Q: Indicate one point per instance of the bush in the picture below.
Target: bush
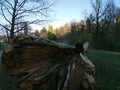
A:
(3, 45)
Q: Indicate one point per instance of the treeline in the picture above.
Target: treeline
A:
(69, 33)
(101, 28)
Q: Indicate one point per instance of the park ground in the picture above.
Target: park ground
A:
(107, 72)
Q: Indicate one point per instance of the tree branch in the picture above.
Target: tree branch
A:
(7, 9)
(21, 5)
(4, 15)
(28, 23)
(4, 27)
(9, 3)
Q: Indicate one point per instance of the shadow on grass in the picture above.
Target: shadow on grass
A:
(107, 71)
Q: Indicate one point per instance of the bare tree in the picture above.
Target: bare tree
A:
(13, 12)
(99, 10)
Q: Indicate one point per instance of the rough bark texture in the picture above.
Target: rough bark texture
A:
(41, 64)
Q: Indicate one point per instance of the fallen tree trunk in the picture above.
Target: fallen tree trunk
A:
(41, 64)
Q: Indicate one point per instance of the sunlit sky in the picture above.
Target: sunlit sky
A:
(68, 10)
(71, 10)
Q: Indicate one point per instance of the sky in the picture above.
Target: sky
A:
(67, 11)
(71, 10)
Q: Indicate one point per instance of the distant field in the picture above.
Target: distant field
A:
(107, 73)
(107, 70)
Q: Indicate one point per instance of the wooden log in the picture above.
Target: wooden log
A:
(41, 64)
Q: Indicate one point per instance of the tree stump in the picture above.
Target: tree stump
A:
(41, 64)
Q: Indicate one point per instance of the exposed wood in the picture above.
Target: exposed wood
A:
(41, 64)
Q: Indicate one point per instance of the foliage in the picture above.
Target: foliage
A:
(3, 45)
(105, 25)
(37, 33)
(43, 32)
(75, 32)
(101, 28)
(51, 33)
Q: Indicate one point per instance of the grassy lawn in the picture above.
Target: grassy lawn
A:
(107, 73)
(107, 70)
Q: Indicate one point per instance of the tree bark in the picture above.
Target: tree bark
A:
(41, 64)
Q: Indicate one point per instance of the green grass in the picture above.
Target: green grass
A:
(107, 70)
(108, 57)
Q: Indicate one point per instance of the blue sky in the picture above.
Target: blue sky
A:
(67, 11)
(72, 10)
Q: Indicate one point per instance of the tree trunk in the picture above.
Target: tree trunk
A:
(41, 64)
(11, 33)
(13, 20)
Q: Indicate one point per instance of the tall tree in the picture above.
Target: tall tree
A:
(12, 12)
(51, 33)
(90, 23)
(37, 33)
(99, 10)
(43, 32)
(73, 27)
(81, 26)
(117, 31)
